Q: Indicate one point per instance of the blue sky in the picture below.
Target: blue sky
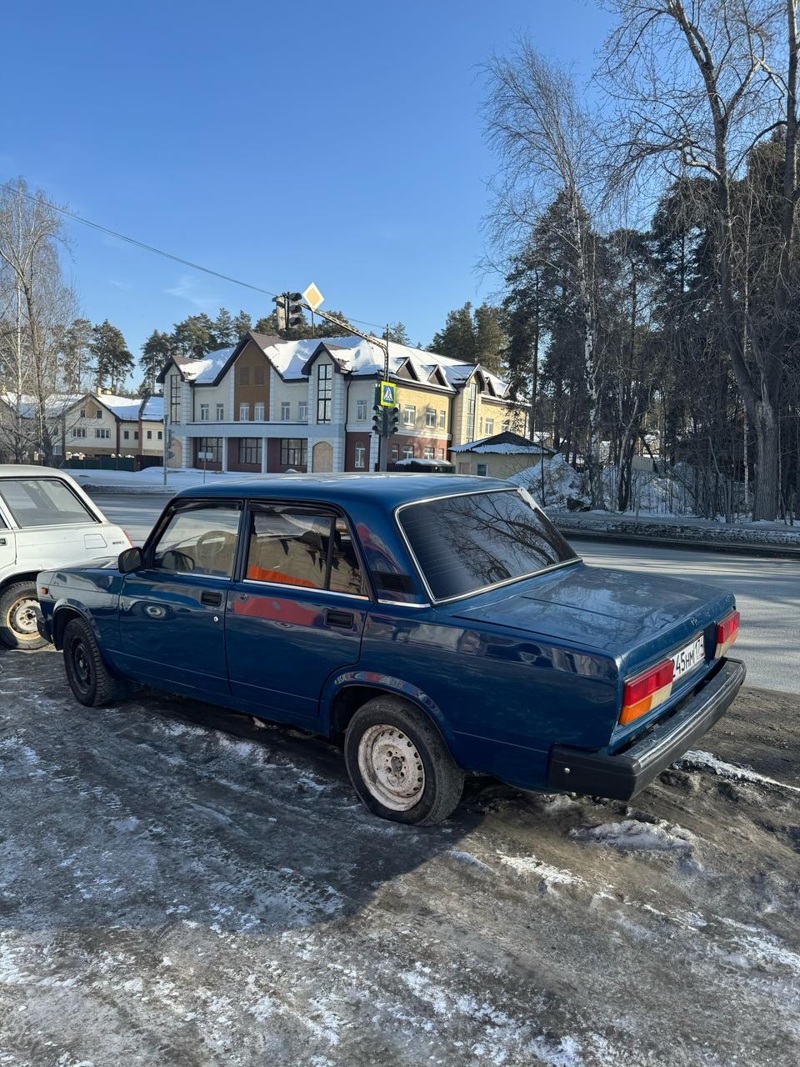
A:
(281, 144)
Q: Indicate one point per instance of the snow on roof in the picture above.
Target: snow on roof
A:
(204, 371)
(153, 409)
(505, 443)
(125, 408)
(54, 405)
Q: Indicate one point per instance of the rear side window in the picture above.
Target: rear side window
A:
(291, 546)
(43, 502)
(466, 543)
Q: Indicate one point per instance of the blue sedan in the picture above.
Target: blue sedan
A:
(438, 624)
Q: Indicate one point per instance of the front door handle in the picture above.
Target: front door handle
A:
(212, 599)
(3, 541)
(342, 619)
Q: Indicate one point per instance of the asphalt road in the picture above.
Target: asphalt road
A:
(767, 590)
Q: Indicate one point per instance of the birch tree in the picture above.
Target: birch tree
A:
(700, 83)
(545, 141)
(37, 309)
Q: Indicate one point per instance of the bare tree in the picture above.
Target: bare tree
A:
(545, 142)
(36, 308)
(700, 83)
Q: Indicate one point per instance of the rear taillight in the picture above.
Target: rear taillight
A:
(646, 691)
(727, 632)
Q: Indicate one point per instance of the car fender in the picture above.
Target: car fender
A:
(382, 683)
(66, 608)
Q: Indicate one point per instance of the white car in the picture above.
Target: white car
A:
(46, 521)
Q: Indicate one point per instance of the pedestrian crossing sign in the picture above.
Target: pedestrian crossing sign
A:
(388, 390)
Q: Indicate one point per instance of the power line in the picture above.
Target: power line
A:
(153, 249)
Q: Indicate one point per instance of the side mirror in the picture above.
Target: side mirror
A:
(130, 560)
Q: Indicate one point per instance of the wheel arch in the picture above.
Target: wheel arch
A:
(62, 615)
(351, 691)
(16, 579)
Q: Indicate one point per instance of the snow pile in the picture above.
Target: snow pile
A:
(692, 761)
(631, 835)
(562, 483)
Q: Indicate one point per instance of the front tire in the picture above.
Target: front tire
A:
(399, 765)
(90, 680)
(19, 611)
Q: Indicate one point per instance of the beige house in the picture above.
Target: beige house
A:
(498, 456)
(269, 405)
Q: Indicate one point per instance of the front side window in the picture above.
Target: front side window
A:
(42, 502)
(258, 413)
(489, 427)
(199, 540)
(430, 417)
(408, 451)
(244, 413)
(102, 434)
(361, 410)
(80, 431)
(361, 454)
(204, 412)
(302, 411)
(409, 415)
(286, 410)
(302, 547)
(466, 543)
(442, 418)
(220, 412)
(324, 392)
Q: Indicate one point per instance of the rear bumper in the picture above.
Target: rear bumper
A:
(623, 775)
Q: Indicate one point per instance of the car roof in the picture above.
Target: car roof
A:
(28, 470)
(389, 489)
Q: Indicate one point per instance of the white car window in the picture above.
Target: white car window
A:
(43, 502)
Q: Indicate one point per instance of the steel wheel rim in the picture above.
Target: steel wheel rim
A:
(391, 767)
(22, 617)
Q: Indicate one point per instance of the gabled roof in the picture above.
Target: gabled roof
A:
(152, 409)
(507, 442)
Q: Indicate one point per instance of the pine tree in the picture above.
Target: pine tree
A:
(458, 338)
(155, 353)
(224, 329)
(490, 340)
(195, 336)
(113, 361)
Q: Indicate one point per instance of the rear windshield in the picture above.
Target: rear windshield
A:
(42, 502)
(466, 543)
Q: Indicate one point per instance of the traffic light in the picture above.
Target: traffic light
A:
(294, 310)
(280, 310)
(393, 417)
(378, 420)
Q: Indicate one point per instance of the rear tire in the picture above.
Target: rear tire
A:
(90, 680)
(19, 610)
(399, 765)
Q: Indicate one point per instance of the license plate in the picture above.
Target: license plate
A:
(689, 657)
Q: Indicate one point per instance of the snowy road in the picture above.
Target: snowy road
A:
(173, 894)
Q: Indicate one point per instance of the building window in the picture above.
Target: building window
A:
(361, 457)
(480, 469)
(441, 453)
(98, 414)
(395, 453)
(258, 413)
(125, 433)
(409, 415)
(204, 412)
(324, 392)
(361, 410)
(160, 435)
(293, 452)
(83, 413)
(286, 410)
(430, 417)
(489, 427)
(244, 413)
(243, 375)
(174, 399)
(302, 411)
(220, 412)
(259, 375)
(442, 419)
(427, 453)
(79, 432)
(408, 451)
(212, 447)
(103, 435)
(136, 435)
(250, 450)
(149, 435)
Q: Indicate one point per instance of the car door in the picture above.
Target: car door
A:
(172, 611)
(298, 613)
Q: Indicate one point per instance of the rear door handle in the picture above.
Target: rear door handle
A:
(212, 599)
(3, 541)
(341, 619)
